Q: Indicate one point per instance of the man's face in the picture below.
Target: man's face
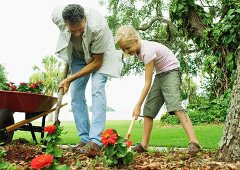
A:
(129, 47)
(77, 29)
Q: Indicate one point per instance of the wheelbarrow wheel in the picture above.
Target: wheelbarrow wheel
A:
(6, 120)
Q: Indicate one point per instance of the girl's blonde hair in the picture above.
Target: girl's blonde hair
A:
(126, 33)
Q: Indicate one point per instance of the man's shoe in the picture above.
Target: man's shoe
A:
(194, 148)
(78, 147)
(91, 149)
(139, 148)
(94, 146)
(95, 150)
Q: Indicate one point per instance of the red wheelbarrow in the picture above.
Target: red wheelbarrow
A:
(33, 105)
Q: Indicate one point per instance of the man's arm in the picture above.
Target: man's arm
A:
(94, 65)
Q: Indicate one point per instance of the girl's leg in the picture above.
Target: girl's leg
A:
(147, 128)
(187, 125)
(153, 103)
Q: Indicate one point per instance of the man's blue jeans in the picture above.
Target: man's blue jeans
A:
(88, 131)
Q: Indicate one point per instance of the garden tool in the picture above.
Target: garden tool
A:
(129, 131)
(60, 95)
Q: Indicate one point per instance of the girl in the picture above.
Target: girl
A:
(165, 88)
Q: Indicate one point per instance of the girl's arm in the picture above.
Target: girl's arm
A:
(147, 85)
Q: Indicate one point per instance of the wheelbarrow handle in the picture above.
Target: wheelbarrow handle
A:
(60, 95)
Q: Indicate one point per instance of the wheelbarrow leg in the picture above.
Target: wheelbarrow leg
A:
(43, 126)
(32, 132)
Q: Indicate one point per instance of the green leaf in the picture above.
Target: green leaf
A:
(110, 151)
(128, 158)
(121, 151)
(120, 154)
(63, 167)
(120, 140)
(238, 10)
(231, 11)
(115, 161)
(4, 165)
(49, 148)
(57, 152)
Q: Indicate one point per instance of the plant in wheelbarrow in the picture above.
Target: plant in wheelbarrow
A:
(116, 150)
(49, 160)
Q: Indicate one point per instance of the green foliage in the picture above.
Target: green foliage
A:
(132, 66)
(117, 153)
(51, 73)
(4, 165)
(169, 119)
(204, 110)
(215, 34)
(188, 88)
(52, 140)
(37, 87)
(3, 77)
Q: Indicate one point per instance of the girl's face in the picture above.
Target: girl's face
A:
(131, 47)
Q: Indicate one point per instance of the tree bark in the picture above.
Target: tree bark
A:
(229, 146)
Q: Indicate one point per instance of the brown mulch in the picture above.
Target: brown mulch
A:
(21, 153)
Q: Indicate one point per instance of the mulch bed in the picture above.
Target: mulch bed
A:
(21, 153)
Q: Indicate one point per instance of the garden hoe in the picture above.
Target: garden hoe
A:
(129, 131)
(60, 96)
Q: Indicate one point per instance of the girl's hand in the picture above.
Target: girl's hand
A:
(65, 85)
(136, 112)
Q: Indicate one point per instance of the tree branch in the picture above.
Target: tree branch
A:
(205, 5)
(154, 19)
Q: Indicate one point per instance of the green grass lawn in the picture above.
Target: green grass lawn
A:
(166, 136)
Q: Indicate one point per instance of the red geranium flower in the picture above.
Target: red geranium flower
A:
(109, 136)
(50, 129)
(129, 143)
(13, 88)
(42, 161)
(33, 85)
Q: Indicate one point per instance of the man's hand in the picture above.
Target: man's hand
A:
(65, 85)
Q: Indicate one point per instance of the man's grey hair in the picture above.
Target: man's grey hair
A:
(73, 14)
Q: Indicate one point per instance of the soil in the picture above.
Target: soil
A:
(21, 152)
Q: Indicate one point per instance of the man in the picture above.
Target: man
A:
(86, 44)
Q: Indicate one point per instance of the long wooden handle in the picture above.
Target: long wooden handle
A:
(26, 121)
(60, 95)
(130, 128)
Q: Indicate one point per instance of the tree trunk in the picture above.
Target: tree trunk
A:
(229, 146)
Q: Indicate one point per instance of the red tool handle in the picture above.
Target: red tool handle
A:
(130, 128)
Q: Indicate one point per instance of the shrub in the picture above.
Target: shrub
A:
(202, 110)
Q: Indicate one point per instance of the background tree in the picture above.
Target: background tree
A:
(214, 29)
(218, 35)
(50, 73)
(230, 142)
(3, 77)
